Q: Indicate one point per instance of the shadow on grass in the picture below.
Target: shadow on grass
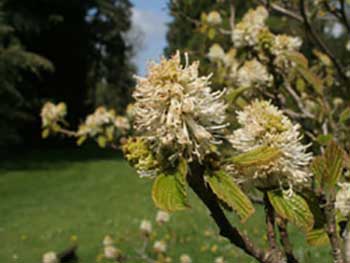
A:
(44, 157)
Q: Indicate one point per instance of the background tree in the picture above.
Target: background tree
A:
(85, 42)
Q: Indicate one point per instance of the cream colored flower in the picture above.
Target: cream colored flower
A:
(160, 246)
(162, 217)
(111, 252)
(50, 257)
(146, 227)
(216, 53)
(247, 30)
(219, 260)
(253, 74)
(102, 118)
(284, 43)
(263, 125)
(342, 202)
(176, 109)
(122, 123)
(214, 18)
(108, 241)
(51, 113)
(184, 258)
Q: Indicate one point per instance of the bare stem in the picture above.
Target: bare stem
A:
(270, 223)
(206, 195)
(281, 10)
(329, 212)
(318, 41)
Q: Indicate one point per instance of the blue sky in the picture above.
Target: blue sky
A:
(150, 16)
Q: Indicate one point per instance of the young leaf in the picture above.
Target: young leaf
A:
(81, 140)
(101, 141)
(260, 155)
(328, 168)
(169, 194)
(229, 192)
(294, 209)
(344, 115)
(317, 237)
(45, 133)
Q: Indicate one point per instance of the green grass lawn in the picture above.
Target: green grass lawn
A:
(48, 197)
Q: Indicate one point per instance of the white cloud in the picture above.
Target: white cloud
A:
(153, 26)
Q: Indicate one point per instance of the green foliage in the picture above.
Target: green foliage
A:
(169, 193)
(317, 237)
(294, 208)
(229, 192)
(258, 156)
(328, 167)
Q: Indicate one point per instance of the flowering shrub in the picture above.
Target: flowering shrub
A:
(270, 136)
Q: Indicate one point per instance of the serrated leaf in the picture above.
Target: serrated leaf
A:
(258, 156)
(45, 133)
(229, 192)
(328, 167)
(317, 237)
(294, 209)
(344, 115)
(169, 194)
(101, 141)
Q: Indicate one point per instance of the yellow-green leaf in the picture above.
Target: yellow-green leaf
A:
(81, 140)
(324, 139)
(317, 237)
(101, 141)
(298, 58)
(45, 133)
(344, 115)
(169, 194)
(328, 167)
(258, 156)
(294, 209)
(229, 192)
(211, 33)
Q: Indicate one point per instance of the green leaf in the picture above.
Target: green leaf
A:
(324, 139)
(313, 79)
(168, 193)
(298, 58)
(183, 170)
(211, 33)
(258, 156)
(229, 192)
(235, 93)
(294, 209)
(317, 237)
(45, 133)
(81, 140)
(344, 115)
(328, 167)
(101, 141)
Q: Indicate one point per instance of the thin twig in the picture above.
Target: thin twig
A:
(318, 41)
(343, 14)
(329, 212)
(196, 182)
(281, 10)
(270, 223)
